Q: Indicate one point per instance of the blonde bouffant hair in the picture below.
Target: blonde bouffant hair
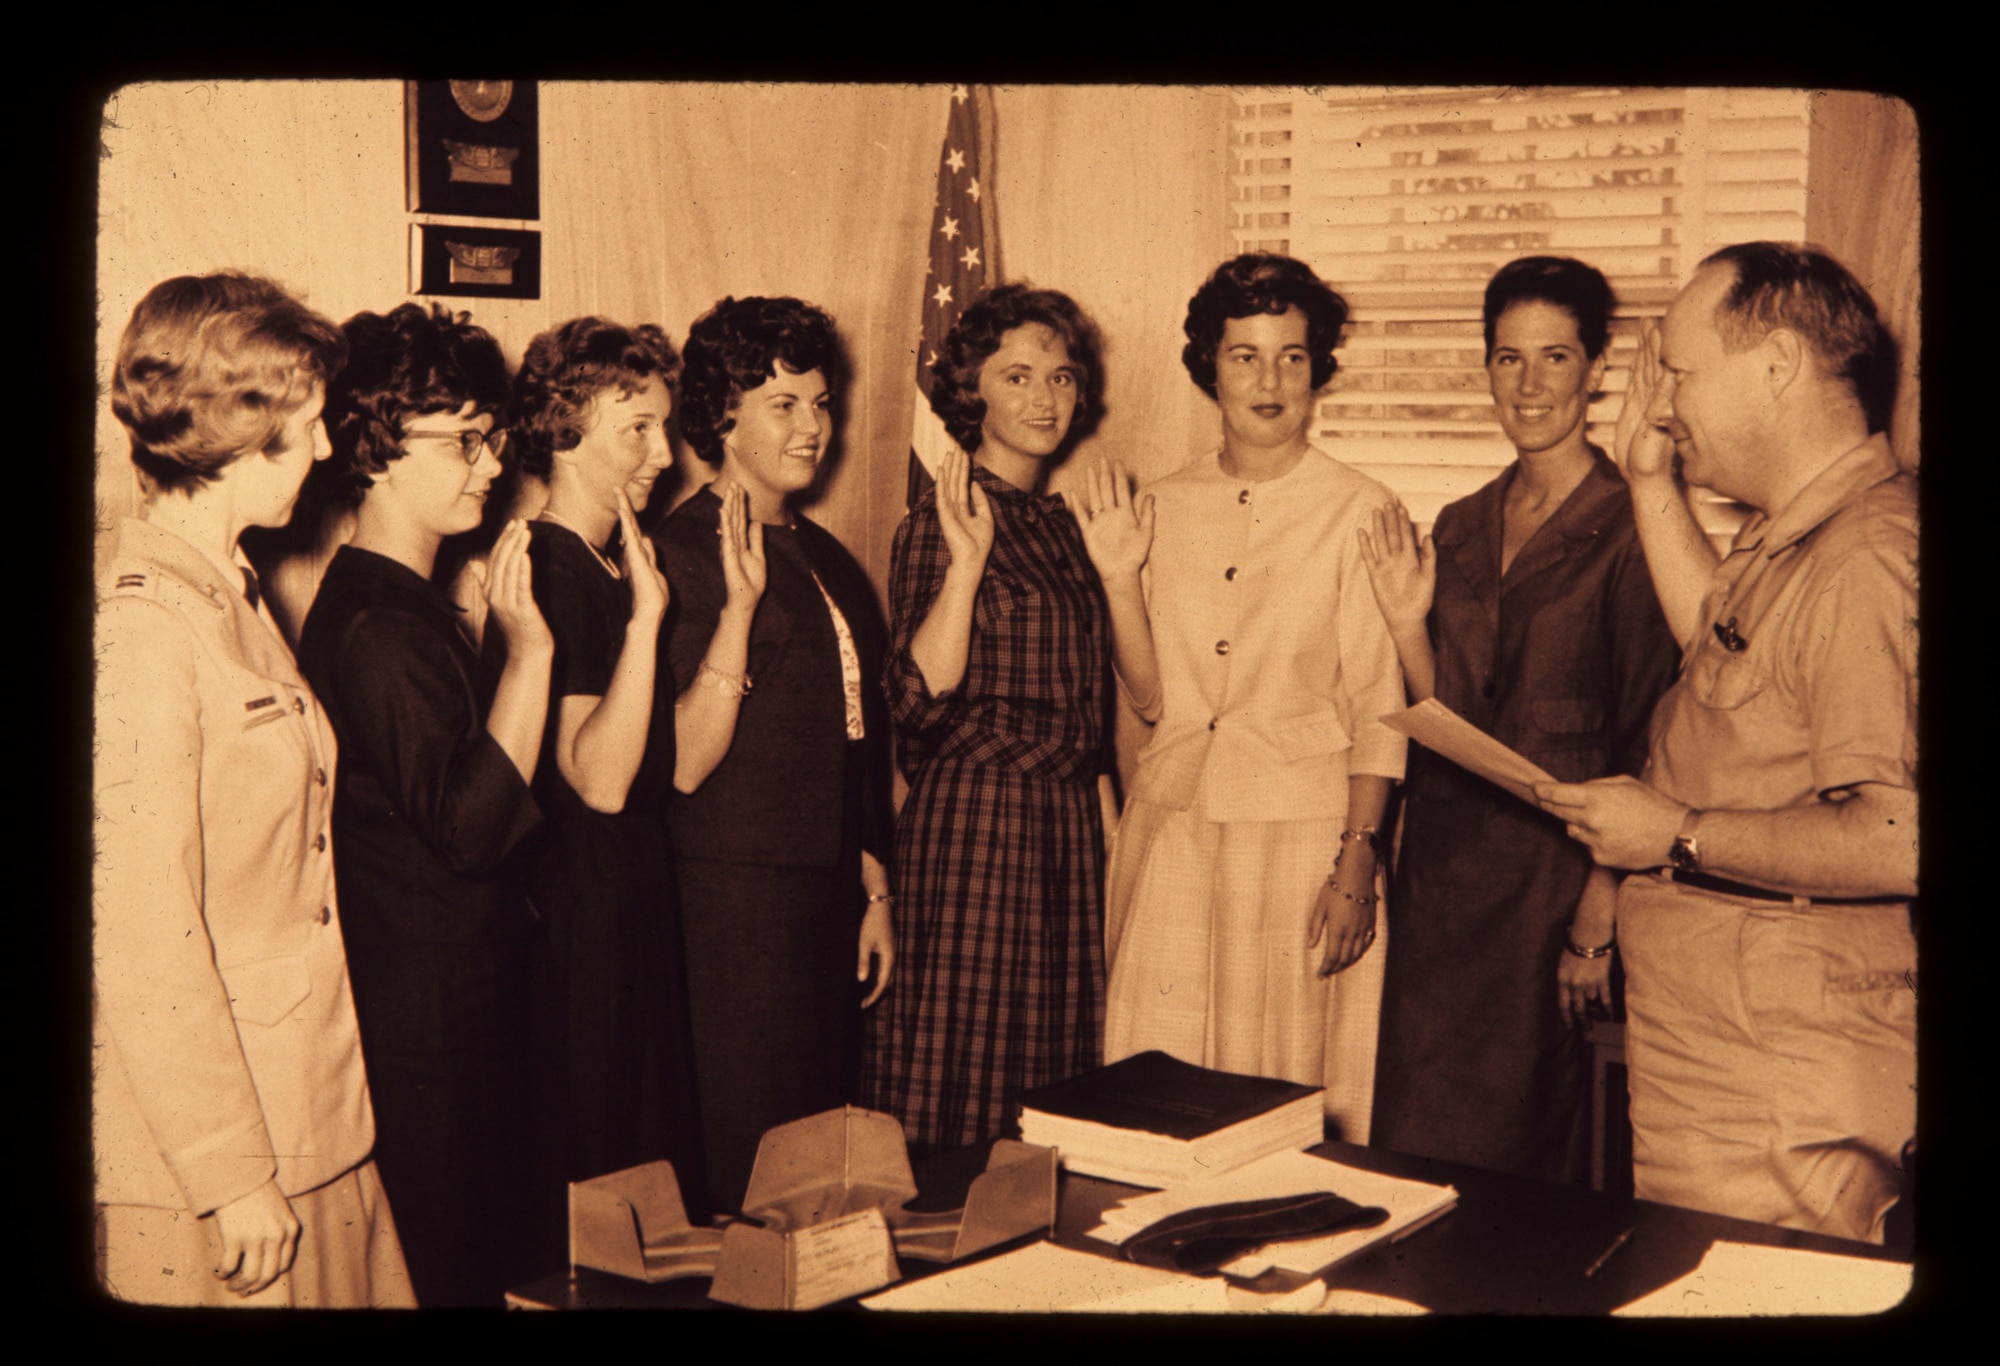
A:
(210, 369)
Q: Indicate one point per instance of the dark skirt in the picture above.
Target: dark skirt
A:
(615, 1081)
(772, 994)
(1476, 1062)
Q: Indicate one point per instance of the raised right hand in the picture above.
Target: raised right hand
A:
(260, 1236)
(642, 569)
(744, 571)
(1117, 522)
(1642, 446)
(510, 594)
(963, 514)
(1401, 568)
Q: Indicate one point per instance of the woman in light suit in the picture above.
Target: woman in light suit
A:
(227, 1074)
(1243, 875)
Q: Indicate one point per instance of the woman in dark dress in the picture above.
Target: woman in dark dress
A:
(437, 753)
(781, 834)
(1535, 619)
(999, 680)
(615, 1068)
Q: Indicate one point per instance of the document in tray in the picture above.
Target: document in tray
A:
(1411, 1204)
(1736, 1279)
(1440, 729)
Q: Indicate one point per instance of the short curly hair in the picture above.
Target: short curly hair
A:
(565, 370)
(977, 335)
(401, 365)
(211, 367)
(736, 347)
(1562, 282)
(1254, 283)
(1802, 288)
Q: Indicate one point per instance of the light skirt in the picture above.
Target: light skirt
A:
(348, 1255)
(1206, 926)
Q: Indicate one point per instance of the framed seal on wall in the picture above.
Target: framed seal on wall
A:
(474, 148)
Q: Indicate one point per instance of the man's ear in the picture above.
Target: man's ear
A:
(1784, 357)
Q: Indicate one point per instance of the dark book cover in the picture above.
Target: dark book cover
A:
(1160, 1094)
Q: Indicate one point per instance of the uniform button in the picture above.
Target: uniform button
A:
(319, 841)
(1212, 722)
(325, 914)
(1222, 647)
(1229, 573)
(321, 775)
(1243, 497)
(299, 705)
(1487, 691)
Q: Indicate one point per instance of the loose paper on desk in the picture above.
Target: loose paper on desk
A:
(1440, 729)
(1738, 1279)
(1044, 1278)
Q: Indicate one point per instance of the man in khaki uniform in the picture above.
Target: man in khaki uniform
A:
(1769, 956)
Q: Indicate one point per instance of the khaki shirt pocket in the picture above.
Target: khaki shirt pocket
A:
(1724, 681)
(264, 991)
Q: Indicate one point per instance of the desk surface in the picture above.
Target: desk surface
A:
(1512, 1246)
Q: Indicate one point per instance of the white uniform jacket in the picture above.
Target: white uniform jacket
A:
(224, 1045)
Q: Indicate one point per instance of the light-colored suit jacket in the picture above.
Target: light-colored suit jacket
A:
(1275, 663)
(224, 1045)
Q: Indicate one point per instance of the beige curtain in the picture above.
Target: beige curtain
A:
(1863, 205)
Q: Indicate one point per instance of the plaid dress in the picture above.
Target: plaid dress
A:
(999, 865)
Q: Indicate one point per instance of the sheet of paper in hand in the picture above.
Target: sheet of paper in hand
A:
(1440, 729)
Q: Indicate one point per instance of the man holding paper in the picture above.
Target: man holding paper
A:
(1770, 960)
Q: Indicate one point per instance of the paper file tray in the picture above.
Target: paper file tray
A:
(632, 1223)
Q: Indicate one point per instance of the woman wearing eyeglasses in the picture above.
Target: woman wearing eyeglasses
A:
(438, 751)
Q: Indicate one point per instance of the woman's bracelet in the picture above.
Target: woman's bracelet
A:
(881, 898)
(1366, 834)
(1603, 950)
(1331, 881)
(729, 685)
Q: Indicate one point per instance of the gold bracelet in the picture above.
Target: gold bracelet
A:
(1366, 834)
(1571, 946)
(729, 685)
(882, 897)
(1357, 900)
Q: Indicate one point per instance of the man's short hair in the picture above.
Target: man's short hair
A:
(1803, 289)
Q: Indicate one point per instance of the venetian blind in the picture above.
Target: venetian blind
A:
(1407, 200)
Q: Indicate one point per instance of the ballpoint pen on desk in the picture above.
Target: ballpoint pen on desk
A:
(1607, 1254)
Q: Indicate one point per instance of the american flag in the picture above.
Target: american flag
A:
(961, 261)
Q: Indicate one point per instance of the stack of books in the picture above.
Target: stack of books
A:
(1153, 1120)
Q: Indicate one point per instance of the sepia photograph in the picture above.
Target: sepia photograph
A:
(1021, 699)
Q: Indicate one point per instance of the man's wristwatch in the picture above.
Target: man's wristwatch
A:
(1686, 851)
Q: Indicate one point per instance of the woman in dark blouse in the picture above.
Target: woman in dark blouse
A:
(781, 834)
(437, 753)
(614, 1063)
(998, 679)
(1535, 619)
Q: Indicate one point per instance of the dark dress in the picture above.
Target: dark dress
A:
(1562, 659)
(999, 983)
(767, 851)
(614, 1062)
(428, 813)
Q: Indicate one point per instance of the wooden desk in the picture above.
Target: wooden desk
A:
(1512, 1246)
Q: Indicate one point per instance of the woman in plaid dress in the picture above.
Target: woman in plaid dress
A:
(998, 680)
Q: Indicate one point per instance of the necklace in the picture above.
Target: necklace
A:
(609, 568)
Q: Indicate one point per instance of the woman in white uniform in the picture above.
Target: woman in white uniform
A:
(231, 1116)
(1242, 901)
